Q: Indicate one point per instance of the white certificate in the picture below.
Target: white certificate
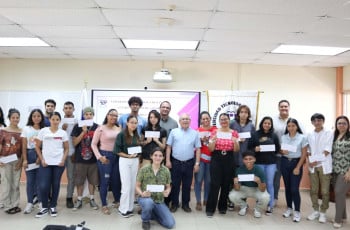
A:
(8, 159)
(290, 148)
(204, 134)
(318, 157)
(155, 134)
(245, 177)
(224, 135)
(244, 135)
(155, 188)
(135, 149)
(82, 123)
(267, 148)
(32, 166)
(66, 120)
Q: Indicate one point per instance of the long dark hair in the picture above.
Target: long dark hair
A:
(292, 120)
(239, 110)
(30, 120)
(128, 137)
(261, 129)
(336, 131)
(2, 119)
(149, 124)
(106, 119)
(204, 113)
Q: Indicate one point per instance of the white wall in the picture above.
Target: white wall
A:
(308, 89)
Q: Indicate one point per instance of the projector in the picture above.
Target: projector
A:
(162, 76)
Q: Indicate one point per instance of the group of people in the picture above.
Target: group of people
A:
(151, 160)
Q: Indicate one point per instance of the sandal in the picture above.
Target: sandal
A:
(12, 210)
(105, 210)
(17, 209)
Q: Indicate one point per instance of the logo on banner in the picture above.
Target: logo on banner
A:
(229, 107)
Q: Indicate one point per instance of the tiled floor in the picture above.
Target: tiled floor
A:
(95, 220)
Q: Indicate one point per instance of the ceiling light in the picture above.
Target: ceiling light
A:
(8, 41)
(311, 50)
(160, 44)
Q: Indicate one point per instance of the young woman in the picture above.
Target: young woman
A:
(30, 160)
(10, 163)
(149, 142)
(341, 168)
(152, 203)
(108, 163)
(266, 160)
(294, 153)
(223, 143)
(128, 148)
(52, 150)
(203, 175)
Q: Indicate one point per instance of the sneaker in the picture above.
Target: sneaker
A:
(29, 208)
(53, 212)
(69, 203)
(337, 225)
(243, 211)
(146, 225)
(257, 213)
(209, 214)
(130, 213)
(231, 206)
(322, 219)
(269, 211)
(42, 212)
(93, 204)
(125, 215)
(296, 216)
(78, 205)
(314, 215)
(199, 206)
(287, 213)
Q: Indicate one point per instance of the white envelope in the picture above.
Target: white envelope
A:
(155, 188)
(88, 123)
(318, 157)
(290, 148)
(66, 120)
(244, 135)
(155, 134)
(135, 149)
(32, 166)
(245, 177)
(8, 159)
(224, 135)
(204, 134)
(267, 148)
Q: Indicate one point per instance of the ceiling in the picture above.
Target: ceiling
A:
(237, 31)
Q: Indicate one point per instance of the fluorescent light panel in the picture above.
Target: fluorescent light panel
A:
(311, 50)
(160, 44)
(8, 41)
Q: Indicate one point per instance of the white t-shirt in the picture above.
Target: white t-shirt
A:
(52, 145)
(30, 133)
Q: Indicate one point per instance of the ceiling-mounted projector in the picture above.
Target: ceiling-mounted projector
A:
(162, 76)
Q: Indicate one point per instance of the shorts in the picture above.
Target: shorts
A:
(86, 171)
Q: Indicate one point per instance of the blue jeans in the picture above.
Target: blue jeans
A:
(269, 170)
(277, 178)
(32, 177)
(50, 180)
(109, 176)
(202, 175)
(156, 211)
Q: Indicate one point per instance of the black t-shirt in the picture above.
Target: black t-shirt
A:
(83, 151)
(147, 149)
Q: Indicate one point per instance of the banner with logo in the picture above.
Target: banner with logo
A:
(227, 101)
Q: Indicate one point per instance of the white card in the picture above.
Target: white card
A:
(245, 177)
(88, 123)
(267, 148)
(244, 135)
(135, 149)
(155, 188)
(8, 159)
(204, 134)
(32, 166)
(224, 135)
(155, 134)
(69, 120)
(290, 148)
(318, 157)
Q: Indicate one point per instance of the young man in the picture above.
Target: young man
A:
(249, 181)
(320, 166)
(68, 123)
(50, 106)
(85, 160)
(166, 122)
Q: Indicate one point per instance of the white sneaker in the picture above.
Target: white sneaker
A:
(257, 213)
(243, 211)
(53, 212)
(296, 216)
(28, 209)
(288, 213)
(322, 219)
(314, 215)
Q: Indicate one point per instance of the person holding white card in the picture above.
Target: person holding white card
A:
(320, 146)
(265, 144)
(10, 163)
(249, 181)
(292, 166)
(30, 160)
(128, 147)
(152, 185)
(152, 136)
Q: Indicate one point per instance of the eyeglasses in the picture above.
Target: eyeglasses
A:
(341, 123)
(224, 119)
